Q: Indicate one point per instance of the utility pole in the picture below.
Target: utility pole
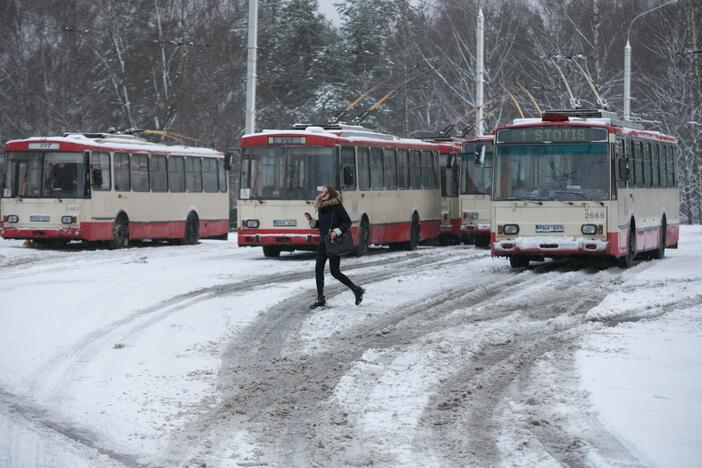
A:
(479, 73)
(251, 68)
(627, 59)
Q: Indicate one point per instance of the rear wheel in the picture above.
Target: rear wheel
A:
(659, 253)
(518, 261)
(413, 241)
(628, 260)
(363, 239)
(120, 233)
(271, 251)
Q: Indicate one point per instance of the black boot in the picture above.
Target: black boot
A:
(320, 302)
(358, 292)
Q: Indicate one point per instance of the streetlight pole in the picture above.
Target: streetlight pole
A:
(479, 71)
(250, 125)
(627, 59)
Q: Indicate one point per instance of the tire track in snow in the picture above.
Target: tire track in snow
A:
(460, 420)
(278, 394)
(40, 419)
(69, 363)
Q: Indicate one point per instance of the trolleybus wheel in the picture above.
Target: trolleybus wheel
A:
(518, 261)
(628, 260)
(120, 233)
(414, 233)
(363, 238)
(663, 238)
(192, 230)
(271, 251)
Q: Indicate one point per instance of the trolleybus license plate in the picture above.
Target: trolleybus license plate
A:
(284, 222)
(550, 228)
(38, 219)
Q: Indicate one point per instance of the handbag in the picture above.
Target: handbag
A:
(342, 245)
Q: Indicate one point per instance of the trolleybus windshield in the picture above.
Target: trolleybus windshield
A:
(575, 171)
(45, 175)
(477, 179)
(281, 173)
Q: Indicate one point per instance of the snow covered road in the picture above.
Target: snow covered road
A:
(163, 356)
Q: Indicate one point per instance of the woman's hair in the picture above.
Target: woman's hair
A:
(333, 194)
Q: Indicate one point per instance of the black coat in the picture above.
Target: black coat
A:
(332, 217)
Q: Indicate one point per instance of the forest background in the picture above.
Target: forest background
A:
(180, 65)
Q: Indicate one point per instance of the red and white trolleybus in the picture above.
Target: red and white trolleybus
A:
(390, 186)
(112, 187)
(475, 190)
(583, 182)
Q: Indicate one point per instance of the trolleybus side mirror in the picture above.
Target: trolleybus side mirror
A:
(228, 161)
(623, 169)
(480, 155)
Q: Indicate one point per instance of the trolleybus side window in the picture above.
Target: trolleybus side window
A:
(390, 164)
(363, 169)
(673, 171)
(428, 170)
(403, 176)
(415, 169)
(348, 168)
(669, 166)
(376, 168)
(100, 171)
(221, 176)
(139, 171)
(655, 165)
(209, 174)
(437, 174)
(176, 174)
(631, 162)
(638, 162)
(158, 175)
(122, 180)
(193, 174)
(647, 165)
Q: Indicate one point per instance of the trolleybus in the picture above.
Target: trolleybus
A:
(450, 175)
(390, 187)
(475, 190)
(112, 187)
(583, 183)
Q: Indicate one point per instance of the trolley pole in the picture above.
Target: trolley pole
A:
(251, 68)
(479, 71)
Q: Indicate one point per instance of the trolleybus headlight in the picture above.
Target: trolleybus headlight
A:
(511, 229)
(68, 219)
(12, 219)
(252, 223)
(588, 229)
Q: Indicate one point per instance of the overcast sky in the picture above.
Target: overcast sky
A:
(327, 7)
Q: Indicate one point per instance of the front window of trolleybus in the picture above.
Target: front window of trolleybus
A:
(477, 178)
(45, 175)
(566, 172)
(275, 173)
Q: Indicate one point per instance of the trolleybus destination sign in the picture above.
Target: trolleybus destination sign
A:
(552, 134)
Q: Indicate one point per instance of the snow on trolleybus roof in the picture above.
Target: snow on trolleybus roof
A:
(329, 135)
(588, 118)
(105, 142)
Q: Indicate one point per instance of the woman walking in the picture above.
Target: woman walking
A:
(333, 221)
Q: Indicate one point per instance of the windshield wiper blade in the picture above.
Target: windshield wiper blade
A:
(562, 201)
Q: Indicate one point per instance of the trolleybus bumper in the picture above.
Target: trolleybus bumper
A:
(51, 233)
(254, 238)
(550, 246)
